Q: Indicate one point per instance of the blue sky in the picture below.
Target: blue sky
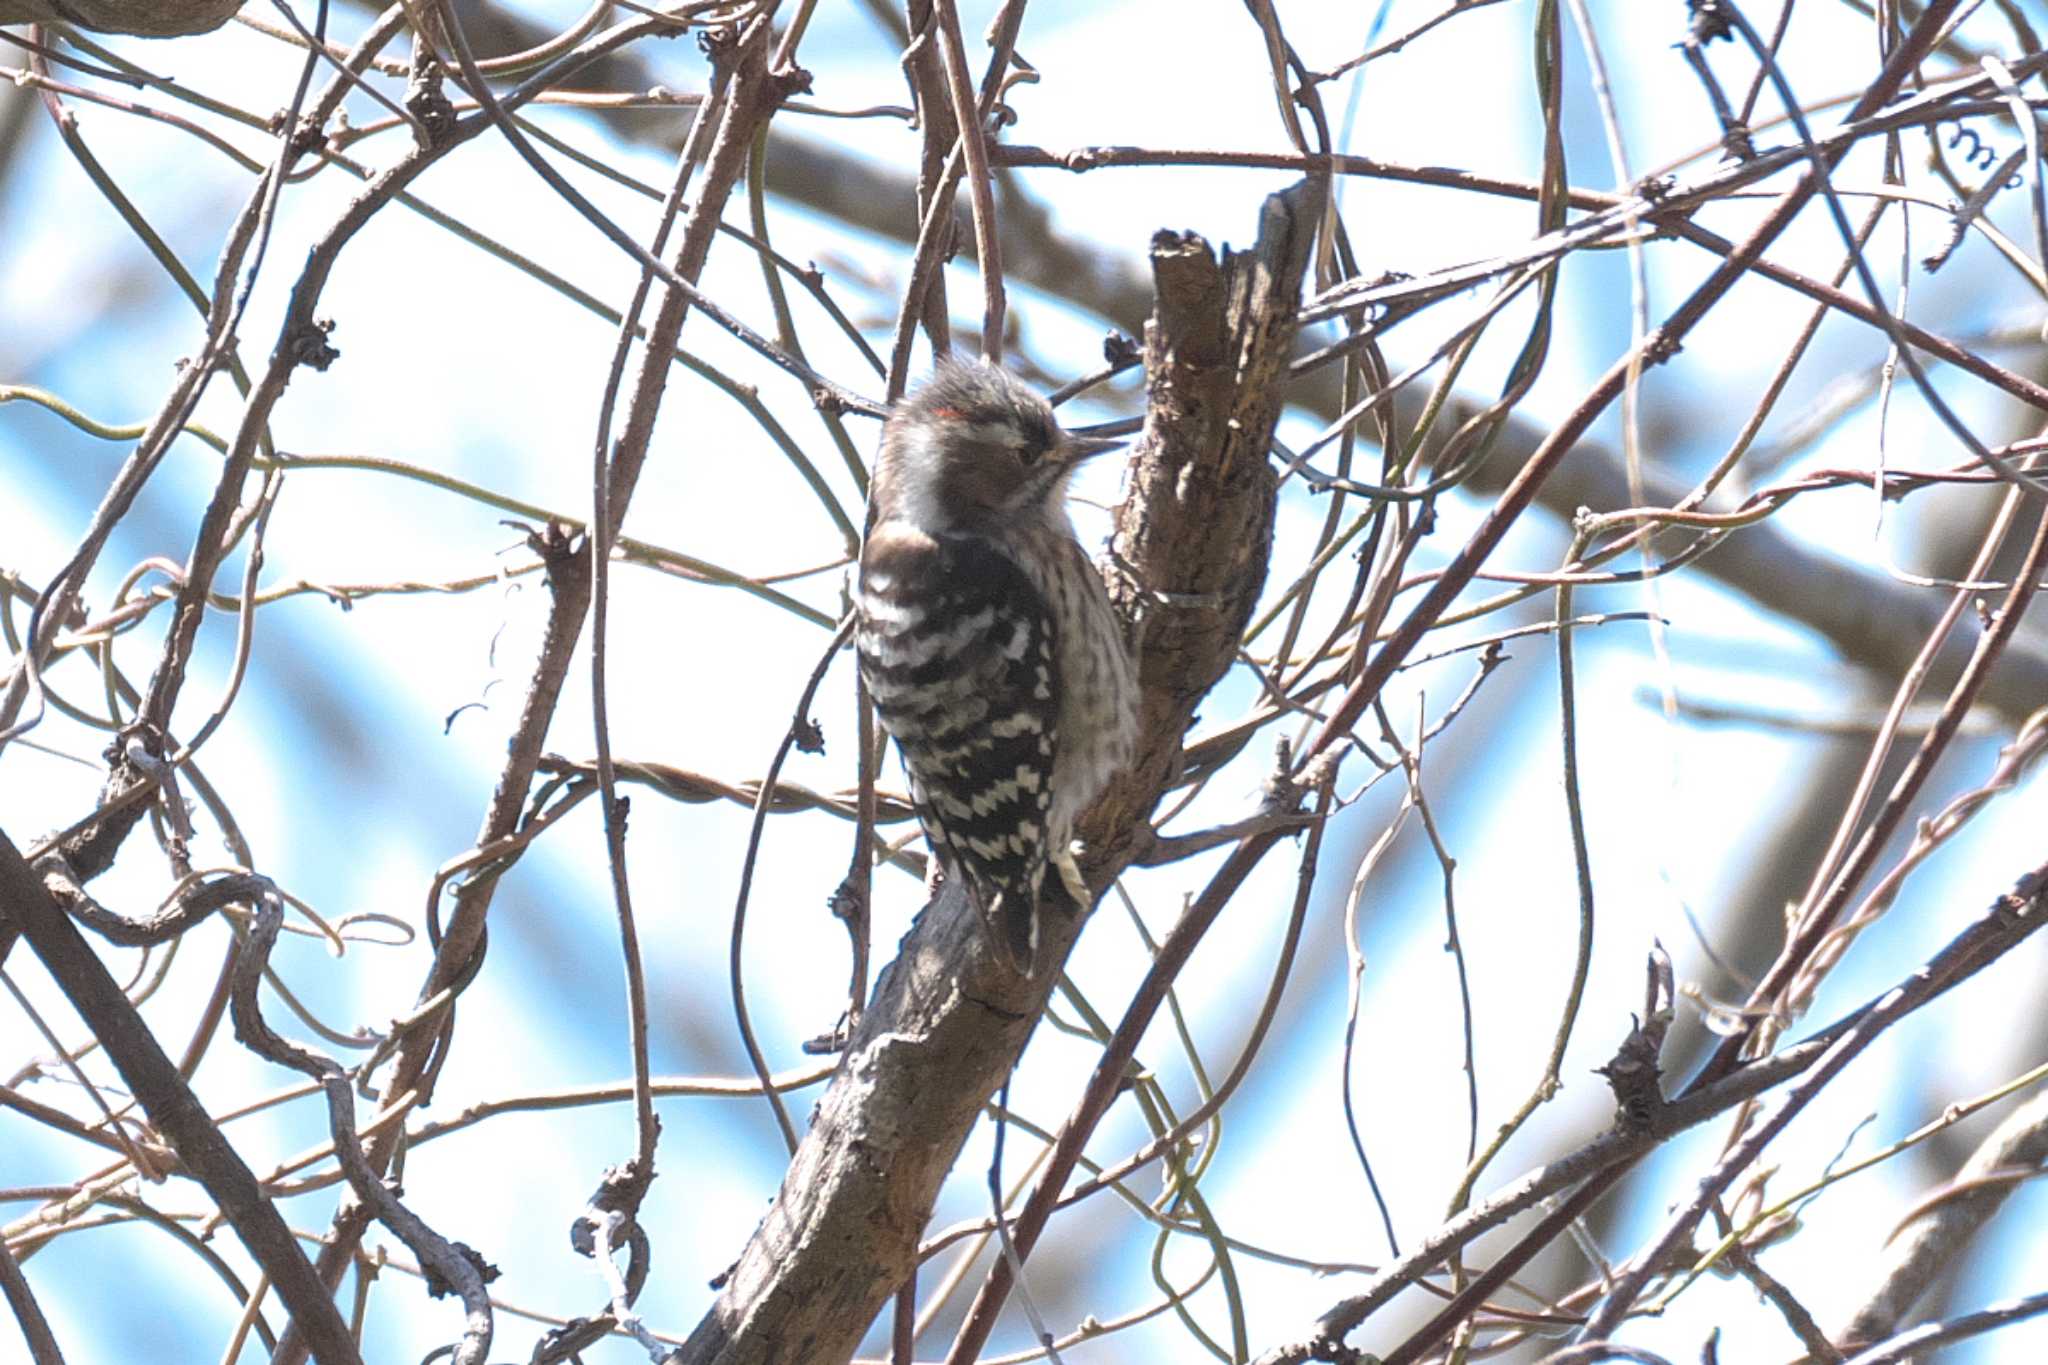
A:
(347, 776)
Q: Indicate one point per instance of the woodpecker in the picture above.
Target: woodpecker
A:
(988, 642)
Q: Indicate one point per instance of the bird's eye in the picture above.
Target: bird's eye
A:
(1036, 441)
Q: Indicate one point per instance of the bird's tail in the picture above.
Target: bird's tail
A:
(1011, 918)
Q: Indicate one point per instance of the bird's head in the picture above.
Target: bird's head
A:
(974, 449)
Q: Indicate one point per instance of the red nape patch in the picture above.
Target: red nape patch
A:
(950, 414)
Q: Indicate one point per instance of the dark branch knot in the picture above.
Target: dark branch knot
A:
(309, 345)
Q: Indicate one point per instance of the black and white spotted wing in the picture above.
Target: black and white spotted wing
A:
(957, 649)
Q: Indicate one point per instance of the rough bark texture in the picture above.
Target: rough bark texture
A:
(944, 1028)
(1194, 535)
(144, 18)
(947, 1023)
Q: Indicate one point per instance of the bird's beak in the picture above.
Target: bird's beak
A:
(1081, 448)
